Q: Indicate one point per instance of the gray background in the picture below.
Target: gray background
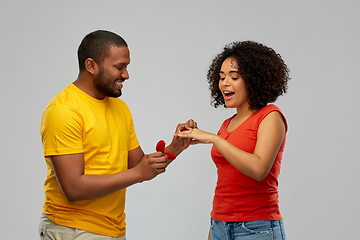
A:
(172, 44)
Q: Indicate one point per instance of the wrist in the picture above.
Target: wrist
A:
(173, 148)
(137, 174)
(215, 139)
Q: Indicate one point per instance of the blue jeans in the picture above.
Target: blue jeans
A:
(248, 230)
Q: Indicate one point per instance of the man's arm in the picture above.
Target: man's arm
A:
(135, 157)
(69, 172)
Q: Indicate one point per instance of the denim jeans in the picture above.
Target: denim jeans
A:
(248, 230)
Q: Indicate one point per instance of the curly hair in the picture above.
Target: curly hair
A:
(264, 72)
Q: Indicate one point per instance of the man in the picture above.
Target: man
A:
(91, 149)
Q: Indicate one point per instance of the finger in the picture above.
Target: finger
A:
(181, 127)
(190, 123)
(182, 135)
(160, 171)
(194, 142)
(156, 155)
(161, 165)
(160, 160)
(194, 124)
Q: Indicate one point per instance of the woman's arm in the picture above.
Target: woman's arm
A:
(270, 136)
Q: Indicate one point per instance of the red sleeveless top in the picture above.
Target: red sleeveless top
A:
(237, 196)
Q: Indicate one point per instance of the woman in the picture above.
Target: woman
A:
(248, 148)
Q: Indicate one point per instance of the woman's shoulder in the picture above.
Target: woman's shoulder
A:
(265, 111)
(270, 108)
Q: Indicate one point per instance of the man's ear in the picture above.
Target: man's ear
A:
(91, 66)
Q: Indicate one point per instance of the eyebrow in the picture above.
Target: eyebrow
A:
(121, 64)
(237, 72)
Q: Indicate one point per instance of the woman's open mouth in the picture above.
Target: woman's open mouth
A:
(228, 95)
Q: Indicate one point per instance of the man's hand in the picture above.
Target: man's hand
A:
(179, 144)
(151, 165)
(184, 142)
(190, 124)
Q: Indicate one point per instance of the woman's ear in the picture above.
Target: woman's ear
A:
(91, 66)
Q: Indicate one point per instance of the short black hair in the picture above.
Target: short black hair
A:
(96, 45)
(263, 70)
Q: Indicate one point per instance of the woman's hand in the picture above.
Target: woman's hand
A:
(196, 136)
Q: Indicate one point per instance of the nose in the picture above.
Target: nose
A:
(125, 74)
(225, 82)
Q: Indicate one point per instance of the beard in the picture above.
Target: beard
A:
(105, 86)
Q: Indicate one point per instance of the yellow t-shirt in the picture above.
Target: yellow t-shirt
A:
(103, 131)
